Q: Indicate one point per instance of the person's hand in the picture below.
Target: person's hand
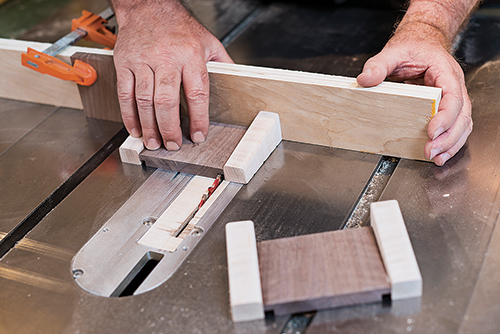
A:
(417, 54)
(160, 45)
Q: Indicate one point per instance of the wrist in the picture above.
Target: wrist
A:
(129, 10)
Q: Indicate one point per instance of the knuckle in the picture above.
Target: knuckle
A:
(167, 101)
(196, 95)
(144, 101)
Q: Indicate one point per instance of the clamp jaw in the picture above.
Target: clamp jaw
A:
(89, 26)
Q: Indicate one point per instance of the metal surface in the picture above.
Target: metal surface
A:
(106, 263)
(38, 163)
(19, 118)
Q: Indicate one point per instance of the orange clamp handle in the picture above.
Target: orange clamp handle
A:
(93, 25)
(81, 73)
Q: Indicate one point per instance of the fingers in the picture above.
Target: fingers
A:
(376, 69)
(449, 143)
(144, 98)
(126, 97)
(166, 103)
(196, 90)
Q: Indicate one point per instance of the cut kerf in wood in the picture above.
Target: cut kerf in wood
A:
(245, 292)
(259, 141)
(396, 249)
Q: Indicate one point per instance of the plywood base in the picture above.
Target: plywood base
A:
(319, 271)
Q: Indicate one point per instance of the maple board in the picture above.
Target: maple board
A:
(322, 270)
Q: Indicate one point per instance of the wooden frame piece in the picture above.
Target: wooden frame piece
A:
(390, 119)
(245, 291)
(259, 141)
(396, 250)
(130, 149)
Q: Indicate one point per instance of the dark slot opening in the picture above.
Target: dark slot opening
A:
(138, 275)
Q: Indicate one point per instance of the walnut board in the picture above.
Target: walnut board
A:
(322, 270)
(205, 159)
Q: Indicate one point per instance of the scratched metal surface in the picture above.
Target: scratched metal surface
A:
(451, 214)
(40, 161)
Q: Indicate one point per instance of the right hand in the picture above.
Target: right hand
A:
(160, 46)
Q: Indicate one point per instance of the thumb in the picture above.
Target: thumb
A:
(376, 69)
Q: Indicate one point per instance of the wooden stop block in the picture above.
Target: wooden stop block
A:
(243, 272)
(396, 250)
(259, 141)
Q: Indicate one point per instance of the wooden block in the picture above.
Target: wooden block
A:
(20, 83)
(100, 100)
(396, 250)
(259, 141)
(205, 159)
(389, 119)
(130, 149)
(319, 271)
(245, 292)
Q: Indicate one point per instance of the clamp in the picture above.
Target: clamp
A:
(90, 27)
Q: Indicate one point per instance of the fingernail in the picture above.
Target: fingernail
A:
(438, 132)
(198, 137)
(153, 144)
(172, 146)
(445, 157)
(135, 133)
(435, 152)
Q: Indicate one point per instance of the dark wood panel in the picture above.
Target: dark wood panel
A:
(100, 100)
(206, 159)
(322, 270)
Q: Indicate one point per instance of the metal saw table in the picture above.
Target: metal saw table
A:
(62, 179)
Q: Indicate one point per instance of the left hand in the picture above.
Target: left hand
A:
(416, 54)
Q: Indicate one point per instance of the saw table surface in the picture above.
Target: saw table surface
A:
(61, 173)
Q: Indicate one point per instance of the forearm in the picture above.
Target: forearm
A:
(439, 19)
(127, 10)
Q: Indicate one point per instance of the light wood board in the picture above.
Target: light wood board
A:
(20, 83)
(396, 250)
(259, 141)
(319, 271)
(245, 292)
(389, 119)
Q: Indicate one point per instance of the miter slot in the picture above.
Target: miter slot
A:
(138, 274)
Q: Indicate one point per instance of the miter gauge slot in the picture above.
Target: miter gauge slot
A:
(150, 236)
(371, 193)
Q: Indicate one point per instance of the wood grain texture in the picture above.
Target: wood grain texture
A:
(396, 249)
(319, 271)
(130, 149)
(162, 235)
(389, 119)
(205, 159)
(259, 141)
(20, 83)
(245, 294)
(100, 100)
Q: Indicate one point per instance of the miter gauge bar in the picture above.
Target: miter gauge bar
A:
(150, 236)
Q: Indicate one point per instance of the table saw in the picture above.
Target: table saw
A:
(62, 180)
